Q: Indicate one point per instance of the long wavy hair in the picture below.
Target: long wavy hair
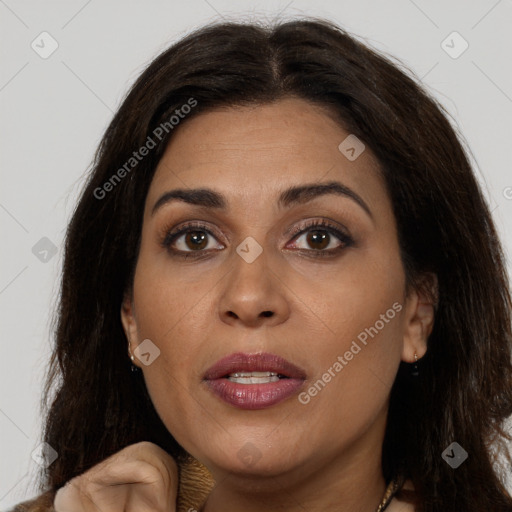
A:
(96, 405)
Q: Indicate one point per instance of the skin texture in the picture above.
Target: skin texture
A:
(316, 456)
(140, 477)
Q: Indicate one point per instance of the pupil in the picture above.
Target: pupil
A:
(198, 239)
(318, 237)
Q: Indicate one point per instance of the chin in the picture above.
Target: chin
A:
(250, 459)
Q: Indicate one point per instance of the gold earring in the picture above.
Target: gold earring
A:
(134, 367)
(415, 371)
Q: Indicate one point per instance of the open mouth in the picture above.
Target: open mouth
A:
(254, 381)
(255, 377)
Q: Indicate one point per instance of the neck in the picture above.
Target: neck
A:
(348, 482)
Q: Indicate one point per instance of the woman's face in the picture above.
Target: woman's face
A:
(254, 278)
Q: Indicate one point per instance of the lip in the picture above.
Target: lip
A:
(254, 396)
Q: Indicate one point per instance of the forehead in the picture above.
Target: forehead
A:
(261, 150)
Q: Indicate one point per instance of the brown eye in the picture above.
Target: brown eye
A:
(196, 240)
(318, 239)
(191, 239)
(321, 238)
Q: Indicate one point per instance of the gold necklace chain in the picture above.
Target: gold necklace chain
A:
(386, 500)
(388, 496)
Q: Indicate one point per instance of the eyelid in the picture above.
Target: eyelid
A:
(168, 236)
(320, 223)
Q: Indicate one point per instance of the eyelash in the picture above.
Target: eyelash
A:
(170, 236)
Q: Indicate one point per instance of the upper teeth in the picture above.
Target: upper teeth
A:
(253, 374)
(253, 377)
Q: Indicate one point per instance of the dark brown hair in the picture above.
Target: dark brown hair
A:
(464, 391)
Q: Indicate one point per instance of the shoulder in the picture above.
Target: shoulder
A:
(398, 505)
(42, 503)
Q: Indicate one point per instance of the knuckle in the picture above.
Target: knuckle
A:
(150, 474)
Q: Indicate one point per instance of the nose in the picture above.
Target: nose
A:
(253, 294)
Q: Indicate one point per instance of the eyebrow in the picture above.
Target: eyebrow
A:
(301, 194)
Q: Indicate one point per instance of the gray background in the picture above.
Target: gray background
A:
(54, 111)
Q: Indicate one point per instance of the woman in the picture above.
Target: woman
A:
(284, 236)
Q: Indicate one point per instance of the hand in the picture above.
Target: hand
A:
(142, 477)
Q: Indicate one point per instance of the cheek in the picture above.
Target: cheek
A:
(362, 302)
(175, 312)
(359, 357)
(168, 300)
(173, 322)
(345, 398)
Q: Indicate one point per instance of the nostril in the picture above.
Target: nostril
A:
(267, 313)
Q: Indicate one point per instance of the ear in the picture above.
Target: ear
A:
(419, 318)
(129, 324)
